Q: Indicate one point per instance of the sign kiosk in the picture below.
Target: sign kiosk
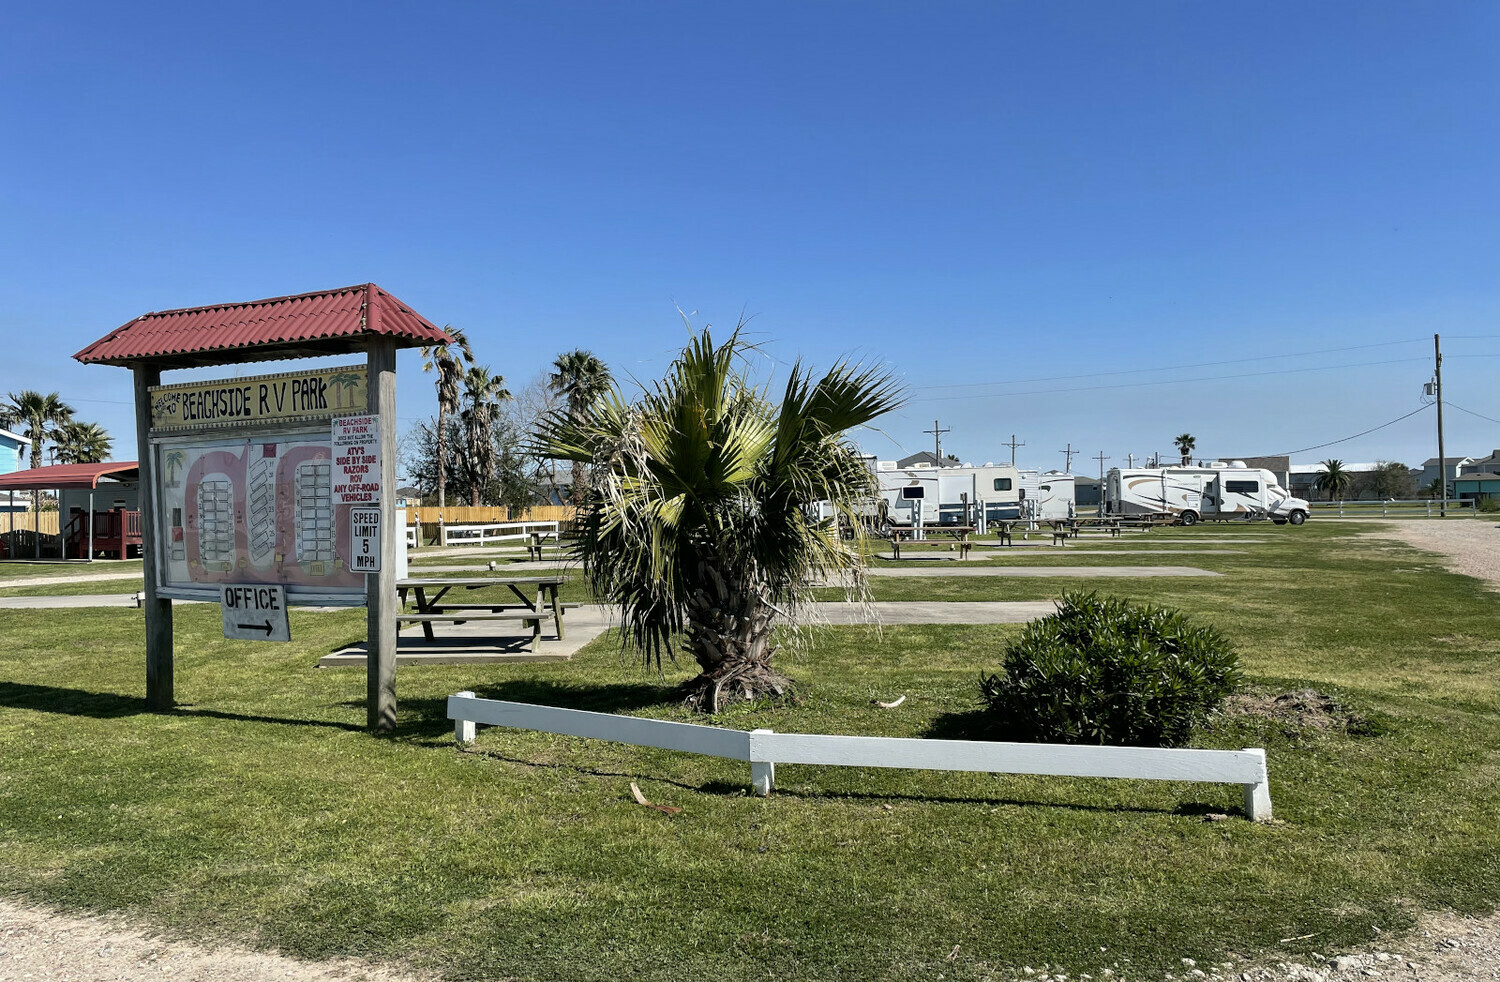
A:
(261, 492)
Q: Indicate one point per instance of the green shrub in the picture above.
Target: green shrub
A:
(1105, 671)
(1487, 504)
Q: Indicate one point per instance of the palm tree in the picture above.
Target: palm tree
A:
(83, 443)
(40, 415)
(1185, 446)
(1334, 479)
(700, 528)
(447, 360)
(483, 394)
(580, 378)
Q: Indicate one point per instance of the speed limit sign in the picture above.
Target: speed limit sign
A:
(364, 540)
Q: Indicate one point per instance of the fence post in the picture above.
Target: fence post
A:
(762, 772)
(1258, 795)
(463, 729)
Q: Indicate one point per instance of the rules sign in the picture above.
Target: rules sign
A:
(364, 540)
(254, 612)
(356, 460)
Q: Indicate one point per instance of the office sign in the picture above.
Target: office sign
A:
(254, 612)
(288, 396)
(364, 537)
(356, 460)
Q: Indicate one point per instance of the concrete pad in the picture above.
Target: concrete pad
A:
(476, 643)
(1085, 572)
(20, 581)
(64, 603)
(945, 557)
(933, 612)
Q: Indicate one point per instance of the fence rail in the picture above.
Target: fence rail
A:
(764, 749)
(493, 532)
(1398, 507)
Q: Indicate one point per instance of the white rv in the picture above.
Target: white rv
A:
(1219, 491)
(950, 495)
(1047, 496)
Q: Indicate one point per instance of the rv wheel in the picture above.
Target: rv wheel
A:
(1190, 518)
(1297, 517)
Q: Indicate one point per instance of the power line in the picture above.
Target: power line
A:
(1161, 382)
(1173, 368)
(1453, 405)
(1356, 436)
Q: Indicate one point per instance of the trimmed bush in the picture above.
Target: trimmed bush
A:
(1105, 671)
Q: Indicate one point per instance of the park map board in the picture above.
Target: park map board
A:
(247, 475)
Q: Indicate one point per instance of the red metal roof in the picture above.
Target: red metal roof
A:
(68, 476)
(325, 322)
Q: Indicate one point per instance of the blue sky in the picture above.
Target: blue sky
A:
(1072, 222)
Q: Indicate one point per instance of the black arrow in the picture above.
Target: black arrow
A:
(256, 627)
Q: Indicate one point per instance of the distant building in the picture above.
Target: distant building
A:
(1484, 465)
(1086, 491)
(1483, 486)
(1302, 479)
(1451, 469)
(924, 459)
(14, 449)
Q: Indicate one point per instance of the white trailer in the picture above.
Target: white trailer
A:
(1220, 491)
(1047, 496)
(963, 495)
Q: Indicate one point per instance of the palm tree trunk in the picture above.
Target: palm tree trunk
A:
(729, 630)
(442, 471)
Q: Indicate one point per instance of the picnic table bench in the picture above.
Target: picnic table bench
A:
(534, 546)
(960, 532)
(430, 607)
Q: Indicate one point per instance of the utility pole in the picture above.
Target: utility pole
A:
(1013, 445)
(1437, 351)
(1068, 455)
(937, 440)
(1101, 458)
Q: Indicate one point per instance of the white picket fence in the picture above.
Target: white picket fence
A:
(764, 749)
(471, 535)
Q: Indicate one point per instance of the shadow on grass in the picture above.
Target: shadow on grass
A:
(112, 705)
(974, 724)
(426, 720)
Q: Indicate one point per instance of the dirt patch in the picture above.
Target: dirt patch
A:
(43, 944)
(1470, 546)
(1299, 711)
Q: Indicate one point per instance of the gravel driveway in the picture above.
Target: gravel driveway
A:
(1470, 546)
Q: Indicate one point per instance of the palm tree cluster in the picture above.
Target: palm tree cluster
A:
(580, 378)
(698, 521)
(483, 394)
(44, 418)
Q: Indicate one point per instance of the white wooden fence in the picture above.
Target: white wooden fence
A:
(411, 537)
(764, 749)
(493, 532)
(1399, 508)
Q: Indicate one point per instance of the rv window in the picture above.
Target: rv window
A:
(1242, 487)
(1046, 487)
(1002, 484)
(909, 494)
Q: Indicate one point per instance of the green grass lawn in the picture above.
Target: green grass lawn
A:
(261, 811)
(14, 569)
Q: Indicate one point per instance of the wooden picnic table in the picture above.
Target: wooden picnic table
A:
(534, 547)
(430, 607)
(961, 532)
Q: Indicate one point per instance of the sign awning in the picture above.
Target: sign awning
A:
(69, 477)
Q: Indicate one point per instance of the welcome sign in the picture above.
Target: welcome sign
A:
(313, 394)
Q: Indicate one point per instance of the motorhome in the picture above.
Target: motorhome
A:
(962, 495)
(1219, 491)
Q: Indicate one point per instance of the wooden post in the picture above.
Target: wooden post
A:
(159, 689)
(380, 588)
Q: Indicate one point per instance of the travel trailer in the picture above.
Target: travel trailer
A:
(1047, 496)
(963, 495)
(1219, 491)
